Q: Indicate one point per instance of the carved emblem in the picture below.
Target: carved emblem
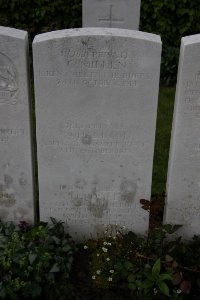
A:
(8, 80)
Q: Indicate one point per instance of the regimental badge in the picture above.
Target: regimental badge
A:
(8, 80)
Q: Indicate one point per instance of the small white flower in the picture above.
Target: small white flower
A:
(112, 271)
(98, 254)
(104, 249)
(114, 237)
(93, 277)
(109, 278)
(155, 291)
(85, 247)
(105, 243)
(109, 244)
(98, 272)
(179, 291)
(108, 259)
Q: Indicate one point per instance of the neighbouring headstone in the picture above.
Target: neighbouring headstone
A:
(183, 186)
(96, 101)
(111, 13)
(16, 180)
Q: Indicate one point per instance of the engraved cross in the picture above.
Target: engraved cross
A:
(111, 19)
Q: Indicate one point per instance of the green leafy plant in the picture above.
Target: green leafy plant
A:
(171, 19)
(33, 258)
(36, 263)
(156, 279)
(152, 267)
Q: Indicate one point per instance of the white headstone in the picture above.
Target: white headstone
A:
(111, 13)
(16, 186)
(183, 187)
(96, 101)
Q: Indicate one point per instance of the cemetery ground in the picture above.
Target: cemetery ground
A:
(85, 210)
(119, 265)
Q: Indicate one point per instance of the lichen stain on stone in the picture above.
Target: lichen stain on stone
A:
(128, 190)
(77, 201)
(7, 198)
(63, 187)
(77, 194)
(97, 206)
(8, 180)
(86, 139)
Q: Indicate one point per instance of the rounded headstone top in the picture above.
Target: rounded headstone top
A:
(191, 39)
(97, 32)
(12, 32)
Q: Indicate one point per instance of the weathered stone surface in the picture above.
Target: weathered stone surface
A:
(111, 13)
(96, 101)
(16, 186)
(183, 187)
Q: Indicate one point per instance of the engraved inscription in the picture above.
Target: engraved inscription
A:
(93, 138)
(8, 81)
(192, 147)
(85, 66)
(7, 196)
(192, 96)
(7, 199)
(185, 213)
(76, 206)
(7, 133)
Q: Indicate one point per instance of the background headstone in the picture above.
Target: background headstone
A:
(16, 180)
(183, 187)
(111, 13)
(96, 102)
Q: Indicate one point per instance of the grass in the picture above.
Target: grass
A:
(163, 134)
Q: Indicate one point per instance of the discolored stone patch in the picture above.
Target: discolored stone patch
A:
(128, 190)
(7, 198)
(97, 206)
(8, 180)
(86, 139)
(77, 201)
